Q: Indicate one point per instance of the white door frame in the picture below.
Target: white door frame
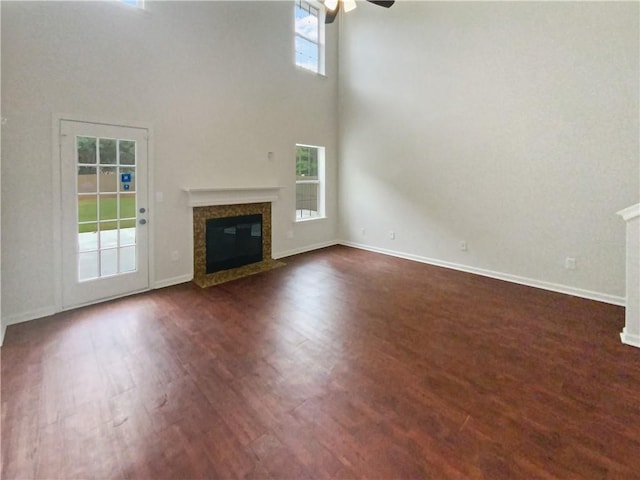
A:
(56, 252)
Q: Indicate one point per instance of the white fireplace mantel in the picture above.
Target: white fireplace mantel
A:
(204, 197)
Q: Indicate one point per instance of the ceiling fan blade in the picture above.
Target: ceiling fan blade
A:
(382, 3)
(330, 16)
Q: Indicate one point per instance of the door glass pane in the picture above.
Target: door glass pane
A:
(108, 262)
(128, 224)
(128, 205)
(108, 207)
(87, 208)
(127, 152)
(87, 237)
(108, 151)
(86, 149)
(127, 232)
(87, 180)
(108, 179)
(127, 179)
(87, 265)
(108, 234)
(127, 259)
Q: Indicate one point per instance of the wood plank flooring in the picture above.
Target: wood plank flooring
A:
(343, 364)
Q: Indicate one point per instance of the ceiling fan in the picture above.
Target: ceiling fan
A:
(333, 7)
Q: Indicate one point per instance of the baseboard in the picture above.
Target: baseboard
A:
(168, 282)
(27, 316)
(626, 338)
(553, 287)
(629, 339)
(48, 311)
(306, 248)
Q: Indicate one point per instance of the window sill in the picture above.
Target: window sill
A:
(307, 220)
(311, 72)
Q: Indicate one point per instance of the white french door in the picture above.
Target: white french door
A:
(104, 211)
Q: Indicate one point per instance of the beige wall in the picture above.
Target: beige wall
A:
(214, 80)
(512, 126)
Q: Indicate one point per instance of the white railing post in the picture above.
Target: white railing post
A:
(631, 332)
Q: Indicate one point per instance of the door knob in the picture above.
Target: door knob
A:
(142, 221)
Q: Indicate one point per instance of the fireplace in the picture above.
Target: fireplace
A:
(231, 241)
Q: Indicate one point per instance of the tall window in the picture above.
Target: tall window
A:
(309, 182)
(309, 36)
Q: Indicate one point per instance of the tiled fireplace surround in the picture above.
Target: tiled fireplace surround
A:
(211, 203)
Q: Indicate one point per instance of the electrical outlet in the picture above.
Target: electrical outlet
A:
(175, 255)
(463, 245)
(363, 232)
(392, 235)
(570, 263)
(289, 234)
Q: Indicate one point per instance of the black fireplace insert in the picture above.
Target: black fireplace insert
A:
(233, 242)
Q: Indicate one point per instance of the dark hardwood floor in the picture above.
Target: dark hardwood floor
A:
(343, 364)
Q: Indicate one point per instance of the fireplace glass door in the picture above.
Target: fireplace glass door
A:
(233, 242)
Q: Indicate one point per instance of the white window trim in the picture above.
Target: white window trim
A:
(321, 39)
(320, 182)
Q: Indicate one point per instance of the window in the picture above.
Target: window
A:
(309, 36)
(309, 182)
(134, 3)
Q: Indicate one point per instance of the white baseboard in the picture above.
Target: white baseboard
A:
(306, 248)
(554, 287)
(51, 310)
(168, 282)
(629, 339)
(26, 317)
(626, 338)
